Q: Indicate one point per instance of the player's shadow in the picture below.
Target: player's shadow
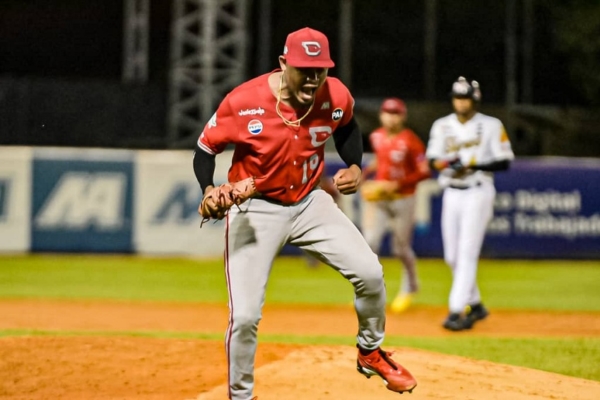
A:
(245, 233)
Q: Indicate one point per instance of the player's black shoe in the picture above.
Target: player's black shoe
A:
(477, 312)
(458, 322)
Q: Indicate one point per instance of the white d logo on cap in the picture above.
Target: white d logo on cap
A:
(312, 48)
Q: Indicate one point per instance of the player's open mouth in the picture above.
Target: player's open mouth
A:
(307, 93)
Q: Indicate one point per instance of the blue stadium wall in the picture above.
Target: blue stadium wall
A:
(122, 201)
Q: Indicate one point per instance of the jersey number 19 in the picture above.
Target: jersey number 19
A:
(312, 163)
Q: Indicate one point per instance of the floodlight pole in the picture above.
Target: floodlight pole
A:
(345, 38)
(208, 58)
(136, 15)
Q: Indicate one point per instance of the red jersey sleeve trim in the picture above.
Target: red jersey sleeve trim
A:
(203, 146)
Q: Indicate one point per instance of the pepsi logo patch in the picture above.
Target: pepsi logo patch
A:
(337, 114)
(255, 127)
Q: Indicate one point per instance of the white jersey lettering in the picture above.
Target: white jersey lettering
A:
(481, 140)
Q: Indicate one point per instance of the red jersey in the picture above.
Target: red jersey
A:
(286, 161)
(400, 158)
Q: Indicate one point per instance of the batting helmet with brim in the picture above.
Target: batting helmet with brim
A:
(465, 90)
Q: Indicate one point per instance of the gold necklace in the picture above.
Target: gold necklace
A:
(286, 121)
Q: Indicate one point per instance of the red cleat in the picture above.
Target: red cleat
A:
(395, 376)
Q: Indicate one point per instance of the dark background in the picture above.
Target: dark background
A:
(60, 61)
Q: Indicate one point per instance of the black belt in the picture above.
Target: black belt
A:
(465, 187)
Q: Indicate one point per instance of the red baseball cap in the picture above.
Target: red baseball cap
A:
(307, 48)
(393, 105)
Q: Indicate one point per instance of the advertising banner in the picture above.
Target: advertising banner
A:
(547, 208)
(544, 208)
(15, 195)
(82, 200)
(167, 196)
(87, 200)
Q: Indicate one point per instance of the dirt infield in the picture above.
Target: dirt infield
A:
(117, 366)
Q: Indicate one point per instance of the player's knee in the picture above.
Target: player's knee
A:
(245, 321)
(371, 240)
(370, 280)
(402, 250)
(374, 245)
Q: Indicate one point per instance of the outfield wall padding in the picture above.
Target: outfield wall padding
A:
(128, 201)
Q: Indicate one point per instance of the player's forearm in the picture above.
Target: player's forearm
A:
(348, 143)
(438, 165)
(204, 169)
(501, 165)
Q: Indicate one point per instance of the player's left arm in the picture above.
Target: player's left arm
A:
(500, 165)
(348, 143)
(501, 151)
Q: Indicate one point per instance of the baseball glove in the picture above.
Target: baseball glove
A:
(372, 190)
(218, 201)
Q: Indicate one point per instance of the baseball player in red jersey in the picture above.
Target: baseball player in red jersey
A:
(399, 165)
(278, 124)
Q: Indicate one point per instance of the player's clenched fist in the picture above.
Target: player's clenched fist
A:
(347, 180)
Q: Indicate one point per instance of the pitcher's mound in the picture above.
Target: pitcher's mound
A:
(325, 373)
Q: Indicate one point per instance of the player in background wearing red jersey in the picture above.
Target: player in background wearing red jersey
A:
(398, 166)
(279, 123)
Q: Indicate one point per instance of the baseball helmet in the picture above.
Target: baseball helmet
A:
(463, 89)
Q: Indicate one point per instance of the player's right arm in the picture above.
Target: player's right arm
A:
(218, 132)
(500, 148)
(204, 169)
(436, 152)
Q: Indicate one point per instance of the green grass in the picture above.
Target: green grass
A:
(112, 277)
(573, 357)
(542, 285)
(547, 285)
